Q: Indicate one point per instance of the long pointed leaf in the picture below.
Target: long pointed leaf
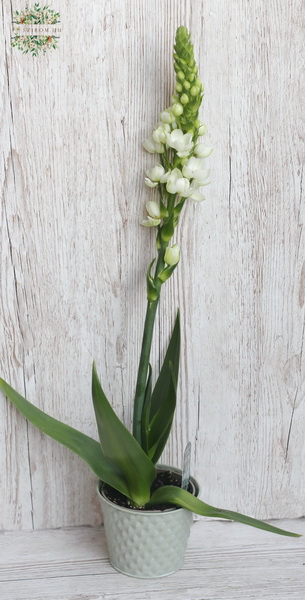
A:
(156, 451)
(163, 398)
(87, 448)
(119, 445)
(160, 426)
(165, 379)
(180, 497)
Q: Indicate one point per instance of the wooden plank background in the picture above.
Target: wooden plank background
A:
(73, 256)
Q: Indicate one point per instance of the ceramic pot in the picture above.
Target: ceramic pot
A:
(146, 544)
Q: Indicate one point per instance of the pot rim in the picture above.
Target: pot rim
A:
(150, 513)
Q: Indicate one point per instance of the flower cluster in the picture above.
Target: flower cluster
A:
(181, 169)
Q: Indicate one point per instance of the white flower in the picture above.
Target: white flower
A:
(154, 215)
(202, 151)
(154, 175)
(150, 183)
(159, 134)
(177, 184)
(202, 129)
(153, 209)
(172, 255)
(181, 142)
(149, 222)
(165, 177)
(196, 196)
(153, 147)
(167, 116)
(191, 166)
(156, 172)
(194, 169)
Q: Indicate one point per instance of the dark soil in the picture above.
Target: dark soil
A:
(163, 478)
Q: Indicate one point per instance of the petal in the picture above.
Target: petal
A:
(197, 197)
(150, 183)
(185, 152)
(202, 151)
(202, 176)
(149, 222)
(156, 172)
(183, 186)
(176, 173)
(153, 209)
(165, 177)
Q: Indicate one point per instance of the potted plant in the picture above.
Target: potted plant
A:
(148, 508)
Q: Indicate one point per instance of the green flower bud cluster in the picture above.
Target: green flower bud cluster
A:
(189, 89)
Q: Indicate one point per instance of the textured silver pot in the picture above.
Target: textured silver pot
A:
(146, 544)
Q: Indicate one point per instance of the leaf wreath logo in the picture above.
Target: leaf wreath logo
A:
(26, 38)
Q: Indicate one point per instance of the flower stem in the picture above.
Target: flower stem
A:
(151, 310)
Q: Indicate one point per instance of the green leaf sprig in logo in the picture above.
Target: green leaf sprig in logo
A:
(35, 15)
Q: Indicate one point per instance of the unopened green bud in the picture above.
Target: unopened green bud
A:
(194, 91)
(177, 109)
(166, 273)
(167, 231)
(191, 87)
(172, 255)
(179, 87)
(202, 129)
(152, 291)
(184, 99)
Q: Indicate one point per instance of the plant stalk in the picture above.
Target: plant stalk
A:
(151, 310)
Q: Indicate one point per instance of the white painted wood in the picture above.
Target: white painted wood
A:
(73, 256)
(223, 560)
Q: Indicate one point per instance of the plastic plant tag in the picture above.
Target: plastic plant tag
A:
(186, 469)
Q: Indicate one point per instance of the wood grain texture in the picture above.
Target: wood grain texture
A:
(73, 256)
(223, 560)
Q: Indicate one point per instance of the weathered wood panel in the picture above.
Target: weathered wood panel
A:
(73, 256)
(69, 564)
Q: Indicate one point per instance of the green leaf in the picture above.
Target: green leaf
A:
(163, 398)
(160, 425)
(180, 497)
(119, 445)
(156, 451)
(87, 448)
(164, 380)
